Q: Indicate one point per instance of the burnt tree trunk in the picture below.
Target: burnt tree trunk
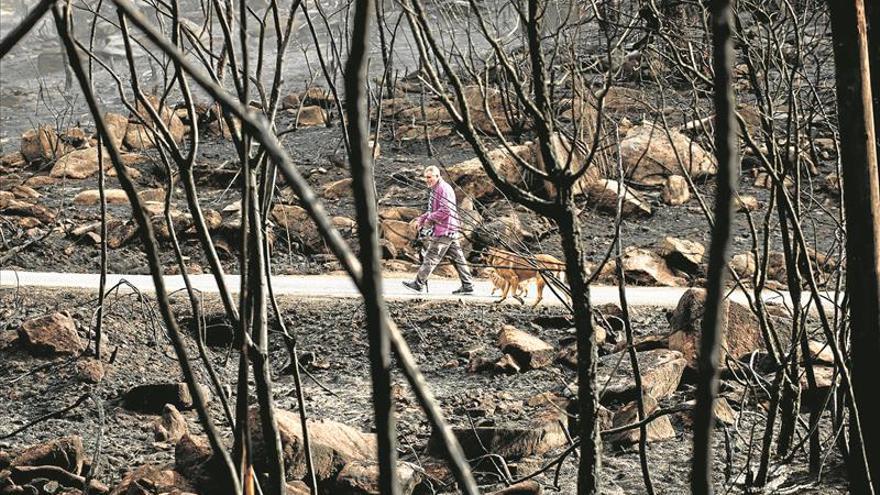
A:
(726, 146)
(590, 463)
(861, 194)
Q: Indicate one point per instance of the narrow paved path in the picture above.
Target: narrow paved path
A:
(333, 286)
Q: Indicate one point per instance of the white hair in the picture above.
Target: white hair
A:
(433, 170)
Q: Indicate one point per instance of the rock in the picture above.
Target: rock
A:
(50, 335)
(746, 203)
(42, 145)
(20, 208)
(645, 267)
(38, 181)
(156, 194)
(151, 478)
(51, 478)
(92, 197)
(66, 453)
(151, 398)
(402, 213)
(507, 227)
(8, 340)
(399, 234)
(723, 412)
(676, 190)
(362, 478)
(13, 160)
(75, 137)
(529, 351)
(478, 99)
(661, 373)
(296, 220)
(812, 399)
(139, 136)
(541, 431)
(79, 164)
(318, 96)
(470, 176)
(172, 427)
(24, 192)
(337, 189)
(575, 158)
(506, 364)
(740, 333)
(743, 264)
(832, 184)
(297, 487)
(90, 370)
(343, 223)
(651, 153)
(421, 132)
(820, 353)
(432, 114)
(5, 198)
(656, 430)
(605, 194)
(117, 125)
(528, 487)
(310, 116)
(333, 445)
(290, 101)
(193, 459)
(682, 254)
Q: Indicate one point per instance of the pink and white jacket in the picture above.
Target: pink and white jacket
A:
(443, 214)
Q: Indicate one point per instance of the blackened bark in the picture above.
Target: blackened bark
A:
(726, 146)
(590, 463)
(862, 202)
(364, 188)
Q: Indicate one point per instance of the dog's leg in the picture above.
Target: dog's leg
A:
(539, 288)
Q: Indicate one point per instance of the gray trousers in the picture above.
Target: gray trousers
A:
(437, 247)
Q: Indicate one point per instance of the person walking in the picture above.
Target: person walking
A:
(440, 224)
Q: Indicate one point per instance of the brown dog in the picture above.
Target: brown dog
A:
(500, 283)
(516, 269)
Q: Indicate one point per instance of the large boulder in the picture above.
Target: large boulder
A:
(42, 145)
(81, 164)
(571, 158)
(296, 220)
(498, 117)
(66, 453)
(50, 335)
(740, 332)
(651, 153)
(333, 445)
(682, 254)
(337, 189)
(606, 193)
(645, 267)
(399, 235)
(362, 478)
(656, 430)
(661, 371)
(159, 479)
(139, 136)
(676, 190)
(117, 126)
(541, 430)
(470, 176)
(310, 116)
(529, 351)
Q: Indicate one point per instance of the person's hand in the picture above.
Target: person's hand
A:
(415, 223)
